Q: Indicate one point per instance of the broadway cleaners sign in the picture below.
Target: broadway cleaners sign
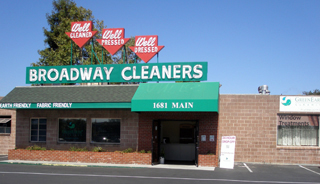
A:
(193, 71)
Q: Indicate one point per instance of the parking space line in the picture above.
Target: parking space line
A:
(247, 167)
(309, 170)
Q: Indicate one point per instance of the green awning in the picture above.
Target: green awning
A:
(70, 97)
(177, 97)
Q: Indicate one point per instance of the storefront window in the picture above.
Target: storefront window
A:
(5, 124)
(106, 130)
(72, 130)
(298, 130)
(38, 130)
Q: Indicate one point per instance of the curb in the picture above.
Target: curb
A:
(68, 165)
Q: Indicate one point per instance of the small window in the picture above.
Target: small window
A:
(38, 130)
(106, 130)
(186, 133)
(5, 124)
(298, 130)
(72, 130)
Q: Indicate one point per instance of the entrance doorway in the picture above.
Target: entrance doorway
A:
(176, 141)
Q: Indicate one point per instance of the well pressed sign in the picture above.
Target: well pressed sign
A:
(146, 47)
(193, 71)
(113, 39)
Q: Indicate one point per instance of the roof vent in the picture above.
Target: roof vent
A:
(263, 90)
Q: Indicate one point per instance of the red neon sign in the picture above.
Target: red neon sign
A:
(146, 47)
(81, 32)
(113, 39)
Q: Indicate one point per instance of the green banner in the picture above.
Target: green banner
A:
(187, 71)
(191, 105)
(63, 105)
(177, 97)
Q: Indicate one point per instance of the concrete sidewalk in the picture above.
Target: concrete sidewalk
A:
(78, 164)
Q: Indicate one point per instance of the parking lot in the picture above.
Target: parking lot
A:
(267, 173)
(242, 173)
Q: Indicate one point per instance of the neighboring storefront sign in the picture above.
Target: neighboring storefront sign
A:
(81, 32)
(297, 130)
(58, 105)
(146, 47)
(297, 120)
(299, 104)
(113, 39)
(193, 71)
(228, 144)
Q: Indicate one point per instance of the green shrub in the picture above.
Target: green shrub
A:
(36, 147)
(142, 151)
(98, 149)
(149, 151)
(74, 148)
(129, 150)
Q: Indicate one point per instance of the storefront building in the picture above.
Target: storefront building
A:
(116, 118)
(180, 118)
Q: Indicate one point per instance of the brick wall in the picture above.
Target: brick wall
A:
(253, 120)
(128, 132)
(8, 141)
(208, 125)
(208, 160)
(85, 157)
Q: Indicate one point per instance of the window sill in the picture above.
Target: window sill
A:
(105, 143)
(5, 134)
(299, 147)
(71, 142)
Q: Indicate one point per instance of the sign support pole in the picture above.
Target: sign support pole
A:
(102, 56)
(91, 51)
(124, 54)
(71, 54)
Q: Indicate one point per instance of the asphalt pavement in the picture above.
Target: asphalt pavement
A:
(18, 172)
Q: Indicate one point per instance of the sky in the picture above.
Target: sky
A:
(247, 43)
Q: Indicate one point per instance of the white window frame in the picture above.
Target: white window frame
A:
(38, 118)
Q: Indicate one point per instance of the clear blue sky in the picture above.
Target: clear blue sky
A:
(247, 43)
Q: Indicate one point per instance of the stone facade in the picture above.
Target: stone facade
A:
(128, 132)
(85, 156)
(7, 141)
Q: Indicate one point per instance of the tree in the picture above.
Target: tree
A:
(315, 92)
(58, 44)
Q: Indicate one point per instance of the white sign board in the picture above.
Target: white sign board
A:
(228, 145)
(203, 137)
(211, 138)
(299, 104)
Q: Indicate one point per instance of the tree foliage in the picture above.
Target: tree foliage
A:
(58, 45)
(314, 92)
